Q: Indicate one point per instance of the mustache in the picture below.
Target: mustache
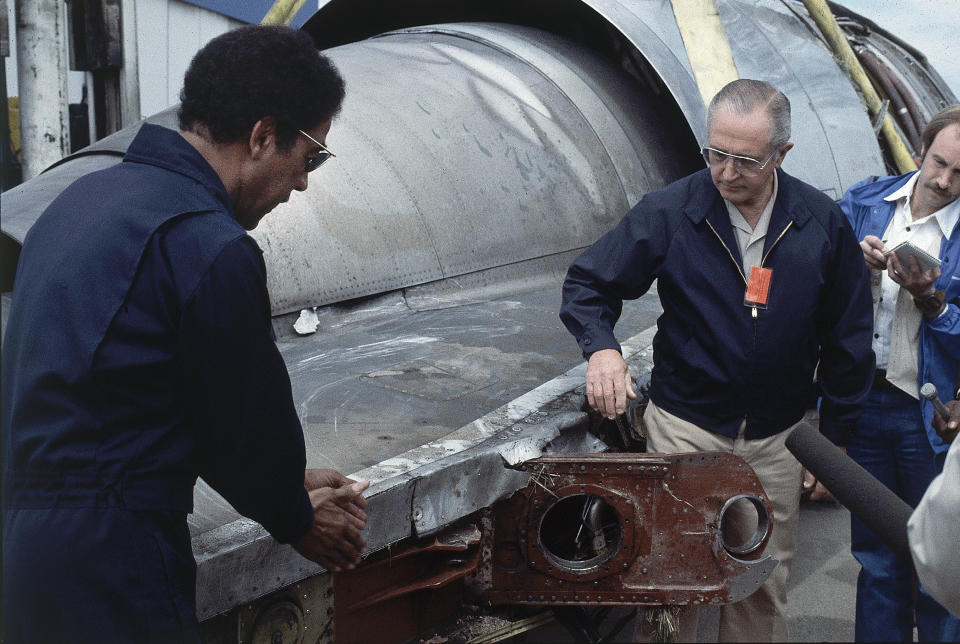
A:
(731, 184)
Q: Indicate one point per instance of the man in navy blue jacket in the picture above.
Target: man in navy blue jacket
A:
(916, 340)
(139, 354)
(762, 283)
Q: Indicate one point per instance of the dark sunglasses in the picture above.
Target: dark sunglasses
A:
(315, 162)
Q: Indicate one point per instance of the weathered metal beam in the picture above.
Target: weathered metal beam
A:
(638, 529)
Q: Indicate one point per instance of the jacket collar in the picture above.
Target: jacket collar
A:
(164, 148)
(872, 192)
(704, 202)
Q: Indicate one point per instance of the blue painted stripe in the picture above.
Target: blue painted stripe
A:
(252, 11)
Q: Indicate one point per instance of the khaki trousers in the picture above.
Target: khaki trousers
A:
(761, 617)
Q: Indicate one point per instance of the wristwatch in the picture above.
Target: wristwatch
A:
(931, 305)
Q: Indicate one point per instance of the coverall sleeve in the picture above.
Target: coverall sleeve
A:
(249, 434)
(619, 266)
(932, 534)
(845, 322)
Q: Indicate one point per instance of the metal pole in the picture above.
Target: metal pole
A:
(129, 74)
(42, 77)
(282, 12)
(9, 168)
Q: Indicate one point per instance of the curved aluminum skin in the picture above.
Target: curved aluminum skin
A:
(500, 144)
(542, 125)
(652, 28)
(649, 26)
(770, 40)
(835, 144)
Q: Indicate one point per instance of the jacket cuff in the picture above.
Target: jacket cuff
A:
(299, 524)
(594, 340)
(946, 320)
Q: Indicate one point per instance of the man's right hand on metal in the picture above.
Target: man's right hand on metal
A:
(609, 383)
(333, 539)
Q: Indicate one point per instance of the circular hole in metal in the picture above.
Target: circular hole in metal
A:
(744, 524)
(580, 532)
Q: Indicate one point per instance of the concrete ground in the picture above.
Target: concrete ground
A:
(823, 582)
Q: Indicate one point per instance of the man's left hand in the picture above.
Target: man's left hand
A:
(314, 479)
(334, 540)
(914, 279)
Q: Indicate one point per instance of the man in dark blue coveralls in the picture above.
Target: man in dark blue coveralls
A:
(139, 354)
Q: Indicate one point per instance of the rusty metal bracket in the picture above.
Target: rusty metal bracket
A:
(621, 529)
(406, 590)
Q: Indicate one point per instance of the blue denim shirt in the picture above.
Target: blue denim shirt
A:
(939, 350)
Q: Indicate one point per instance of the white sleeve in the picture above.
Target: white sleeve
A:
(933, 531)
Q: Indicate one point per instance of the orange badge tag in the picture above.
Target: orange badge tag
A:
(758, 288)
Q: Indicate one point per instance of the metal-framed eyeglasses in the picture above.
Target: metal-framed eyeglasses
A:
(747, 166)
(315, 162)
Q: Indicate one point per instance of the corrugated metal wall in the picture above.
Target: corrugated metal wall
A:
(169, 33)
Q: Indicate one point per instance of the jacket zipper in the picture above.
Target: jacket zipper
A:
(777, 241)
(762, 262)
(732, 258)
(753, 309)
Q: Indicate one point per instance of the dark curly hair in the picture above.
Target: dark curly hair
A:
(257, 71)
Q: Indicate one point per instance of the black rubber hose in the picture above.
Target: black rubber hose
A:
(909, 100)
(900, 110)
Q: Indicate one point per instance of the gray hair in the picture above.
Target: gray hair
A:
(744, 96)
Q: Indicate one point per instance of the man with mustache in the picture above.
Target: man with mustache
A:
(760, 278)
(139, 354)
(916, 340)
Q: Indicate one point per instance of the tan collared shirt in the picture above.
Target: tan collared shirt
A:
(750, 240)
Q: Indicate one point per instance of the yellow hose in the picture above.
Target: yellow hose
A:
(282, 12)
(821, 14)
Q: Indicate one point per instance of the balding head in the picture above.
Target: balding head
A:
(745, 96)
